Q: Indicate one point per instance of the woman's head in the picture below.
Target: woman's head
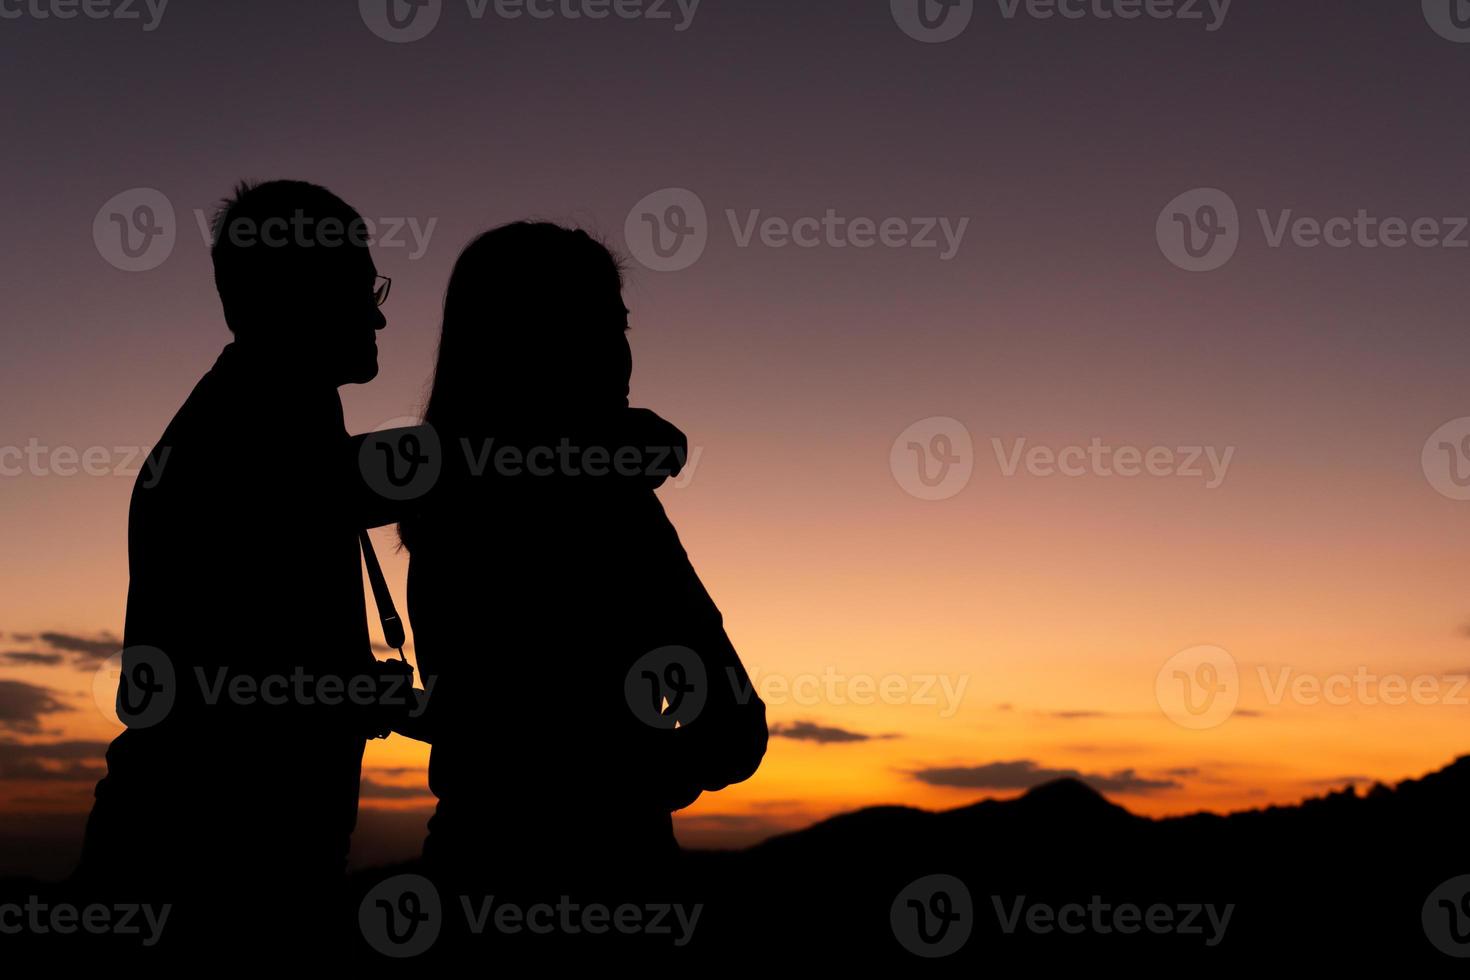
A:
(534, 327)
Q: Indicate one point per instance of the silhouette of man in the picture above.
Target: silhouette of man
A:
(239, 770)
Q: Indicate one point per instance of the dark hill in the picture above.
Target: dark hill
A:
(1338, 879)
(1057, 879)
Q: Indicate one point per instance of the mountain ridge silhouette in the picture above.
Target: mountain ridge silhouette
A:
(1347, 877)
(1346, 874)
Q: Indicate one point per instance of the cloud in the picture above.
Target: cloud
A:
(742, 821)
(722, 830)
(84, 652)
(29, 657)
(75, 761)
(807, 731)
(1025, 773)
(22, 705)
(372, 790)
(1076, 715)
(90, 651)
(73, 796)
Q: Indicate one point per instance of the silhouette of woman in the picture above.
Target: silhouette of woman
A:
(553, 607)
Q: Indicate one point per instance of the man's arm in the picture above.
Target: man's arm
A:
(393, 474)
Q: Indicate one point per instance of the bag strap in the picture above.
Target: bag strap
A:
(393, 633)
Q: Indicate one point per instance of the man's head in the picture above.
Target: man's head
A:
(294, 275)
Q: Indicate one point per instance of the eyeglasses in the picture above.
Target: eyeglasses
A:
(381, 287)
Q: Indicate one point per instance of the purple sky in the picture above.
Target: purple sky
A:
(1057, 318)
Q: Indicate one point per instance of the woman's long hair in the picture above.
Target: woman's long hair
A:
(534, 333)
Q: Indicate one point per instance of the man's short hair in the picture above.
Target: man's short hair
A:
(270, 237)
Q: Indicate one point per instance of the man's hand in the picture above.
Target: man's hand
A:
(393, 474)
(394, 699)
(678, 795)
(415, 724)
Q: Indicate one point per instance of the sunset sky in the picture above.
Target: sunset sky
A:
(1048, 603)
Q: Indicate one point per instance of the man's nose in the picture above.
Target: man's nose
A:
(379, 320)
